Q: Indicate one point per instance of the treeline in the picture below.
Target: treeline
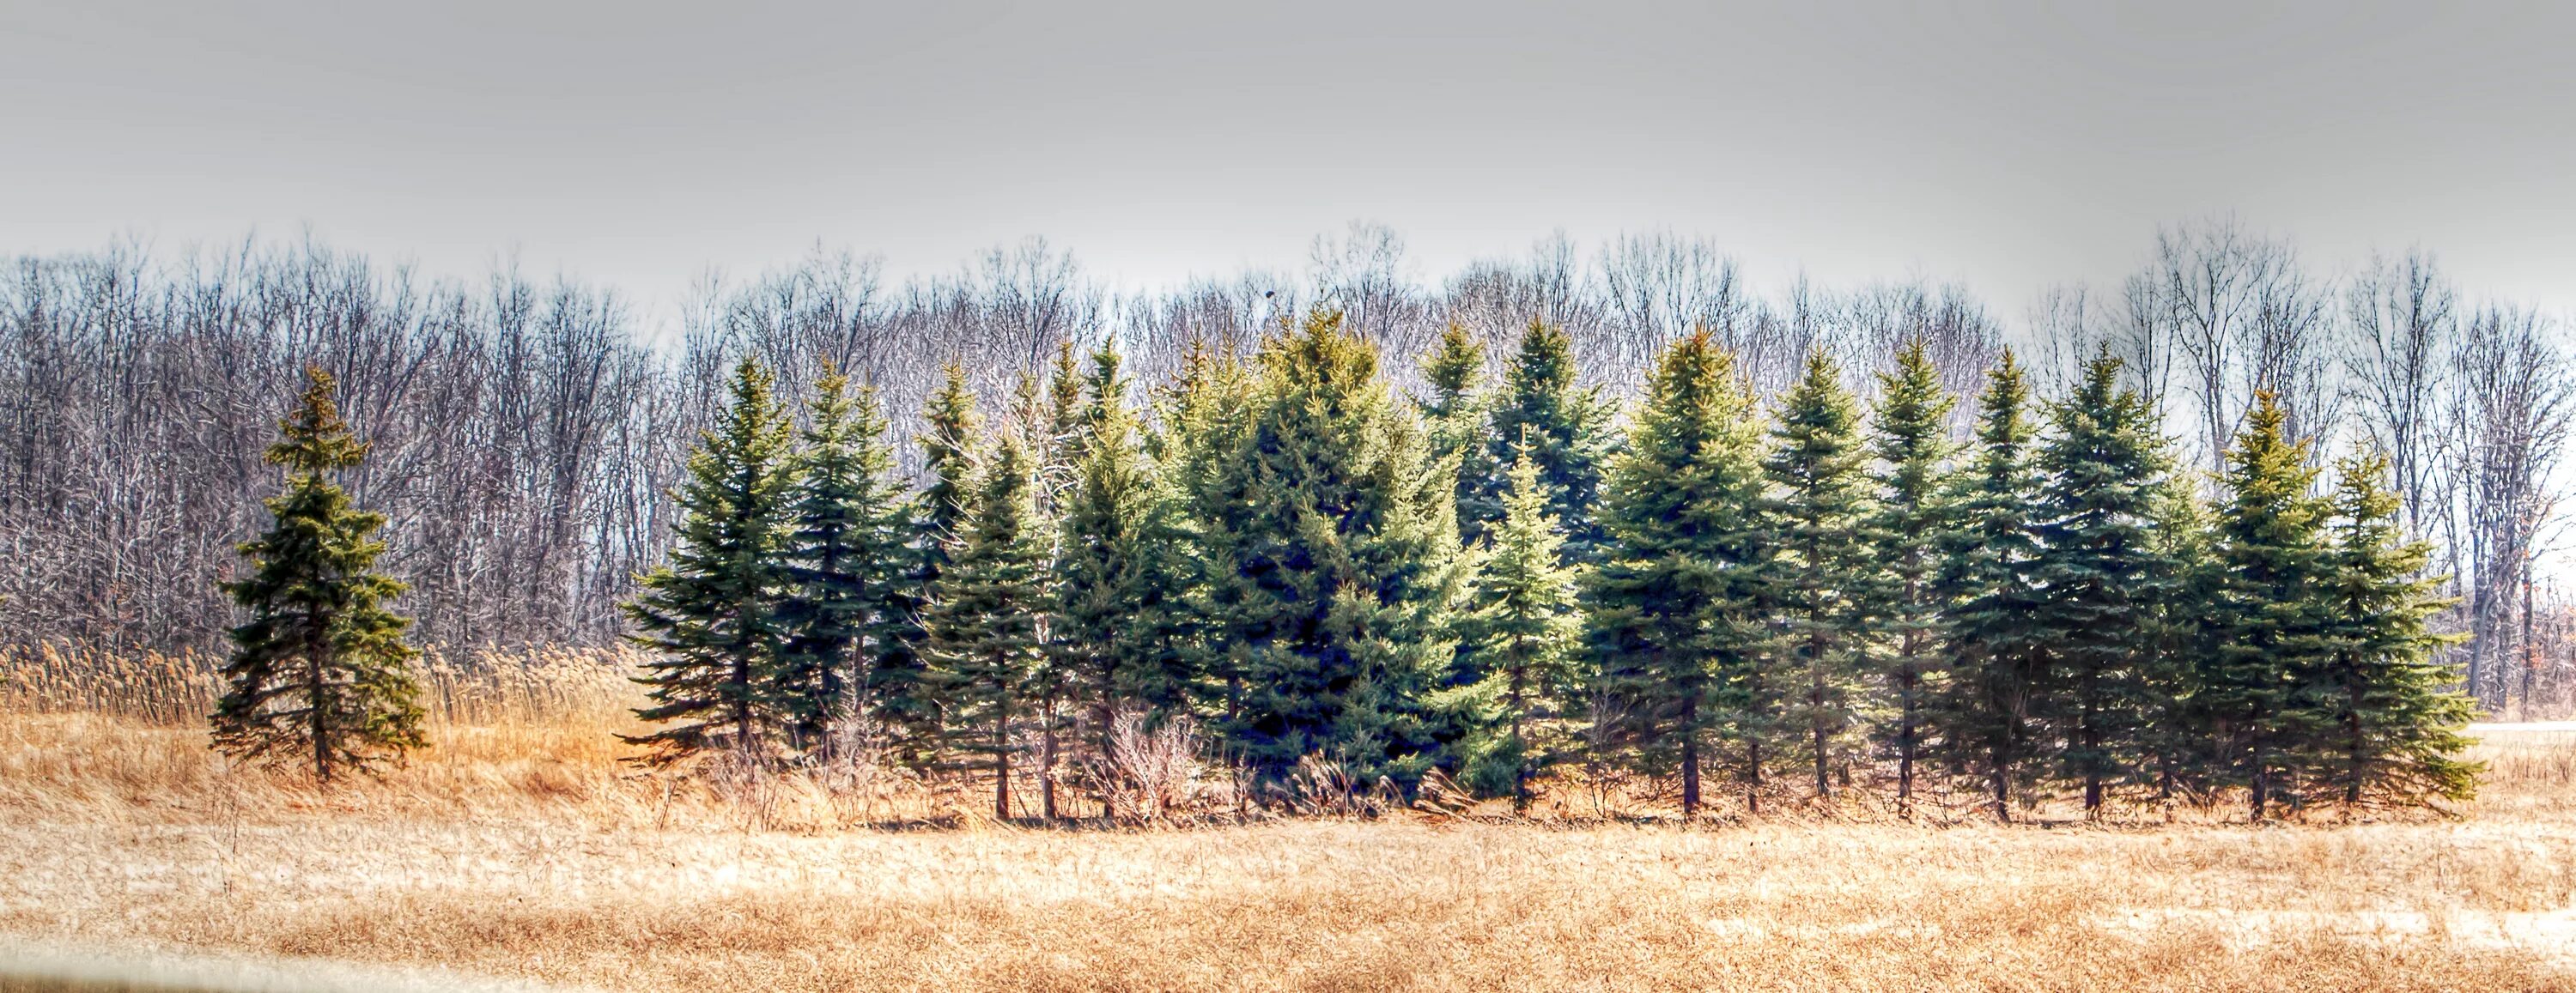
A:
(528, 433)
(1512, 581)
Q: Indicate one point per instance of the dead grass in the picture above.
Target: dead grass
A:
(519, 847)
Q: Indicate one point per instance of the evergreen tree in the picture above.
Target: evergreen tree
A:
(986, 615)
(909, 697)
(1525, 630)
(709, 615)
(846, 561)
(2104, 468)
(2178, 729)
(1208, 416)
(320, 670)
(1455, 419)
(1998, 665)
(1911, 440)
(1341, 565)
(1674, 603)
(2393, 723)
(1566, 428)
(2271, 611)
(1829, 586)
(1119, 631)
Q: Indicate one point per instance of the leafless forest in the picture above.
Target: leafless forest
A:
(527, 430)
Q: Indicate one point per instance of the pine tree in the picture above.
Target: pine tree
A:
(1208, 415)
(1340, 567)
(1828, 585)
(909, 698)
(1455, 420)
(1524, 633)
(2179, 730)
(2272, 609)
(846, 562)
(1119, 629)
(2104, 466)
(320, 670)
(1911, 441)
(1998, 666)
(1674, 605)
(986, 615)
(1567, 430)
(2393, 723)
(709, 615)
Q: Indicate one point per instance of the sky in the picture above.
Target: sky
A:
(639, 144)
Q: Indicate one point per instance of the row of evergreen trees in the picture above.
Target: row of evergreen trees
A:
(1504, 578)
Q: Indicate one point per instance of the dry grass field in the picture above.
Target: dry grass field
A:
(519, 848)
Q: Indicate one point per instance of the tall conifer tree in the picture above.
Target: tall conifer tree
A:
(2104, 466)
(1119, 636)
(1998, 664)
(1675, 625)
(847, 559)
(1524, 634)
(710, 614)
(1829, 585)
(1911, 440)
(320, 672)
(2272, 611)
(986, 616)
(1341, 575)
(2393, 723)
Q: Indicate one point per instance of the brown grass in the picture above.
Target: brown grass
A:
(519, 847)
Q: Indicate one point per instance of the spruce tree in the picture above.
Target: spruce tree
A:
(847, 560)
(1674, 604)
(1828, 584)
(1524, 634)
(2272, 610)
(986, 615)
(1341, 565)
(1119, 634)
(1910, 438)
(2179, 730)
(709, 615)
(2393, 723)
(2104, 466)
(1454, 417)
(1567, 430)
(1998, 665)
(1207, 412)
(935, 522)
(319, 671)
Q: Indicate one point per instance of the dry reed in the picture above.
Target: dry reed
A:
(519, 846)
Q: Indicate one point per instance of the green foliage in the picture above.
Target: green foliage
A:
(1827, 588)
(847, 566)
(1989, 578)
(1454, 418)
(2104, 466)
(1566, 429)
(1675, 621)
(1523, 634)
(710, 614)
(2272, 611)
(319, 671)
(1911, 527)
(1121, 625)
(1333, 562)
(986, 613)
(2392, 722)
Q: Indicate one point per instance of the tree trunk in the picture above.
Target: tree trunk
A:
(1002, 766)
(1690, 759)
(1816, 708)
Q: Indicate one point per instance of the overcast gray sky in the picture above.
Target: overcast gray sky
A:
(636, 143)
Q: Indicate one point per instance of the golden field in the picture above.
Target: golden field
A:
(519, 847)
